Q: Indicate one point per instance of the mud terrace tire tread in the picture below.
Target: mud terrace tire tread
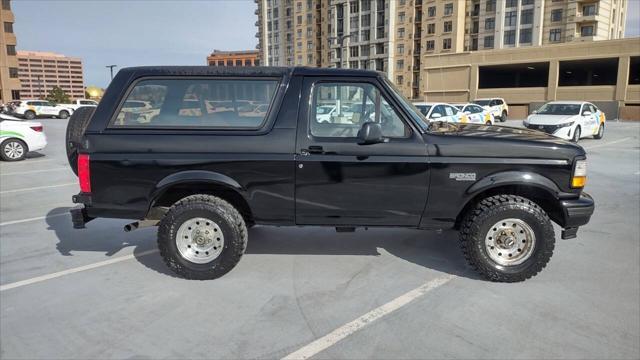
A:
(76, 127)
(472, 240)
(235, 242)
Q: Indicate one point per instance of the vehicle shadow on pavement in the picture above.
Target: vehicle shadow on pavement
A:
(432, 250)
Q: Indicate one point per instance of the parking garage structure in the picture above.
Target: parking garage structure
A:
(605, 73)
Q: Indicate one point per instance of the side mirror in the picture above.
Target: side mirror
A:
(535, 112)
(370, 133)
(586, 113)
(436, 115)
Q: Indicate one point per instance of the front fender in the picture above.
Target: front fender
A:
(514, 178)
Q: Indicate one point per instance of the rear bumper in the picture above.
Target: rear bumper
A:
(576, 212)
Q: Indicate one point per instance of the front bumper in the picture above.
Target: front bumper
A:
(576, 212)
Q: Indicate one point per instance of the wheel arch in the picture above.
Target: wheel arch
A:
(182, 184)
(535, 187)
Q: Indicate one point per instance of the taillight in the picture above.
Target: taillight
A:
(84, 173)
(36, 128)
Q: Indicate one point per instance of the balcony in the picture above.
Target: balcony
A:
(258, 34)
(257, 12)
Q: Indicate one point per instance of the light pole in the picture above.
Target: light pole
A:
(340, 40)
(111, 69)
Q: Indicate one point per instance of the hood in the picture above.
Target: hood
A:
(549, 119)
(475, 140)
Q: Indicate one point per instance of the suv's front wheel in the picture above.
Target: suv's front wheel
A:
(202, 237)
(507, 238)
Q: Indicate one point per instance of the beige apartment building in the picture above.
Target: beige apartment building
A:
(9, 82)
(40, 71)
(604, 72)
(233, 58)
(398, 36)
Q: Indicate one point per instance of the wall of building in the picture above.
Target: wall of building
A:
(9, 82)
(39, 72)
(233, 58)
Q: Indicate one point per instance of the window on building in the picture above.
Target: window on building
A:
(11, 50)
(431, 11)
(247, 62)
(431, 28)
(353, 64)
(400, 65)
(446, 44)
(365, 35)
(475, 27)
(399, 80)
(490, 6)
(401, 33)
(15, 94)
(513, 75)
(6, 5)
(488, 42)
(525, 36)
(634, 70)
(8, 27)
(353, 7)
(490, 23)
(431, 44)
(511, 3)
(587, 31)
(13, 72)
(401, 17)
(527, 2)
(366, 20)
(510, 37)
(588, 72)
(555, 35)
(510, 18)
(526, 17)
(354, 51)
(400, 49)
(448, 9)
(556, 15)
(448, 26)
(589, 10)
(299, 20)
(197, 103)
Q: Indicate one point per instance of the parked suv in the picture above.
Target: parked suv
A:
(497, 106)
(30, 109)
(204, 166)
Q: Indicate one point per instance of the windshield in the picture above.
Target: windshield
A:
(414, 112)
(559, 109)
(324, 110)
(424, 109)
(482, 102)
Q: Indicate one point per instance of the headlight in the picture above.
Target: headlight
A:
(560, 126)
(579, 178)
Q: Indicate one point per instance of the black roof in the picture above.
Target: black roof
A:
(269, 71)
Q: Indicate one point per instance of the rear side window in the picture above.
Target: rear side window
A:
(197, 103)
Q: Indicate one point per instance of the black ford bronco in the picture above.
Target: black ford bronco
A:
(205, 153)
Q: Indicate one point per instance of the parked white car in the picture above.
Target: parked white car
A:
(441, 112)
(476, 113)
(80, 103)
(18, 137)
(571, 120)
(324, 113)
(30, 109)
(498, 107)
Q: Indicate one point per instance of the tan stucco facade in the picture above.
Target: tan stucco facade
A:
(9, 82)
(455, 77)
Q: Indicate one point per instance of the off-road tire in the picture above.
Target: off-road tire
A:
(503, 117)
(227, 218)
(29, 115)
(576, 134)
(600, 134)
(477, 223)
(63, 114)
(76, 127)
(8, 141)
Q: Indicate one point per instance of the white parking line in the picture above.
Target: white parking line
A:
(36, 188)
(607, 143)
(33, 219)
(34, 171)
(27, 162)
(58, 274)
(347, 329)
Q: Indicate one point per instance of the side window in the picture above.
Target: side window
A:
(340, 109)
(197, 103)
(439, 109)
(499, 102)
(493, 103)
(449, 111)
(593, 109)
(476, 109)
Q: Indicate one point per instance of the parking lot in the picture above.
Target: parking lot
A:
(381, 293)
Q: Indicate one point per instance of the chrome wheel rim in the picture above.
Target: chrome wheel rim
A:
(510, 242)
(199, 240)
(13, 150)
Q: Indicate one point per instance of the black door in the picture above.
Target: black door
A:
(338, 181)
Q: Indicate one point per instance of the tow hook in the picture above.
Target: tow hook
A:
(140, 224)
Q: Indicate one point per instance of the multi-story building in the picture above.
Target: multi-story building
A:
(394, 36)
(293, 32)
(40, 71)
(233, 58)
(9, 82)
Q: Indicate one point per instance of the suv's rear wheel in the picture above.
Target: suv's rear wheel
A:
(75, 130)
(13, 150)
(503, 117)
(507, 238)
(63, 114)
(29, 115)
(600, 133)
(202, 237)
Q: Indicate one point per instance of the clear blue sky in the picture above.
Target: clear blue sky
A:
(149, 32)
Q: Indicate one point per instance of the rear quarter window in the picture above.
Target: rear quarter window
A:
(197, 103)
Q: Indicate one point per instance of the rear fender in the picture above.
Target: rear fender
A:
(196, 177)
